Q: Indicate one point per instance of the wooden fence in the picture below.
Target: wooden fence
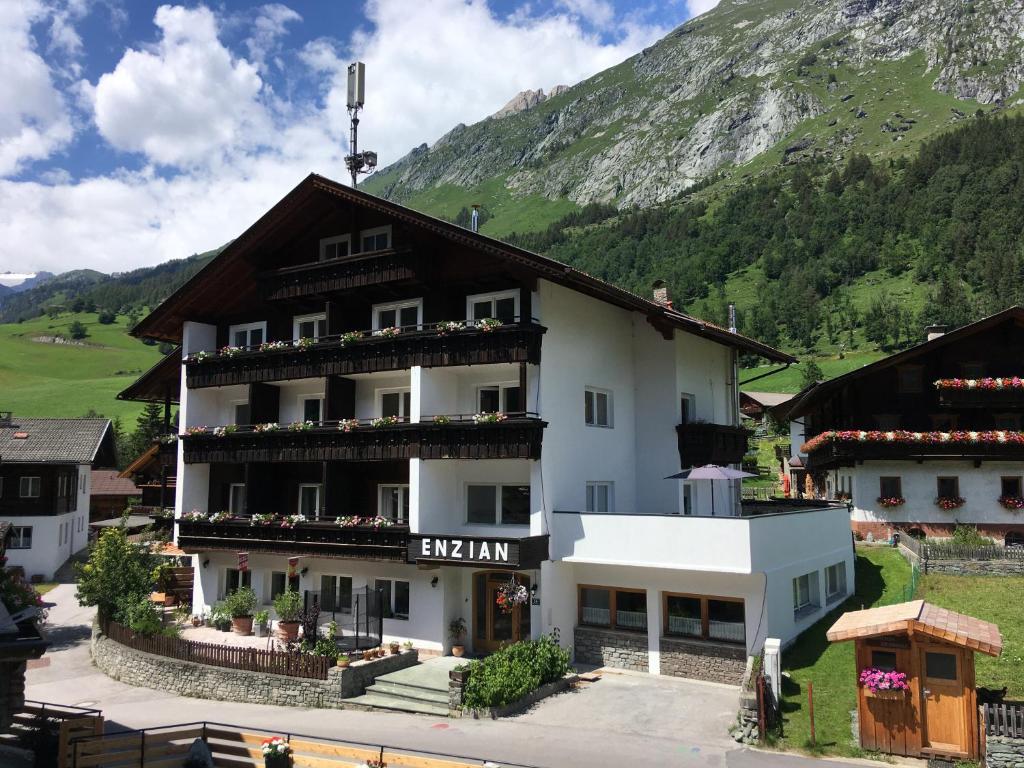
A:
(949, 551)
(216, 655)
(238, 747)
(1003, 719)
(50, 729)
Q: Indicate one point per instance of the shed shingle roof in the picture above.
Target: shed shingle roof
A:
(108, 482)
(51, 441)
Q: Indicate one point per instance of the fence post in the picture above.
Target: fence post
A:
(810, 706)
(773, 665)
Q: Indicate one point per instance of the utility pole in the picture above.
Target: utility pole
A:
(357, 162)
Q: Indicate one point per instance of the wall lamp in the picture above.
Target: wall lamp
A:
(206, 562)
(433, 582)
(304, 571)
(533, 590)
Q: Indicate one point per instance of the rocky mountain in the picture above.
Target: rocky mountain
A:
(528, 99)
(738, 90)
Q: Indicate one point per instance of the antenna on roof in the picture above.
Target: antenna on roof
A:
(357, 162)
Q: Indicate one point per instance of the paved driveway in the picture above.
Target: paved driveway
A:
(620, 720)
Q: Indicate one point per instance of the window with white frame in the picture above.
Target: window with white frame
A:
(687, 499)
(235, 579)
(835, 582)
(313, 408)
(399, 314)
(393, 502)
(334, 247)
(336, 593)
(247, 334)
(600, 497)
(494, 398)
(805, 593)
(376, 239)
(236, 499)
(394, 402)
(310, 326)
(396, 597)
(687, 408)
(309, 500)
(30, 487)
(503, 306)
(597, 407)
(498, 504)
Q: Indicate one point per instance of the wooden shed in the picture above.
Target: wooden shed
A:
(937, 716)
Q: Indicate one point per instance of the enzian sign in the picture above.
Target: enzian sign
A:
(477, 550)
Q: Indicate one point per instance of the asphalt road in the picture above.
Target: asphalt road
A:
(622, 719)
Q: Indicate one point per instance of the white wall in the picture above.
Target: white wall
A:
(440, 488)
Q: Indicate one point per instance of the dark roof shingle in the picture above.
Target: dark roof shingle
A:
(51, 441)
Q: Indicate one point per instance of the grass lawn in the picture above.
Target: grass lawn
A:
(42, 589)
(882, 575)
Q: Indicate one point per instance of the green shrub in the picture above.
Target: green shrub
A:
(141, 616)
(324, 646)
(968, 536)
(288, 605)
(119, 572)
(241, 603)
(514, 671)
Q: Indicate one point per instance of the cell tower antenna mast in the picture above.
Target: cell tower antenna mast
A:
(357, 162)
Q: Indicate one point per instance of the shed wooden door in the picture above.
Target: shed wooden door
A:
(943, 713)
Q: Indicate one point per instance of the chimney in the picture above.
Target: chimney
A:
(934, 331)
(474, 221)
(661, 293)
(732, 317)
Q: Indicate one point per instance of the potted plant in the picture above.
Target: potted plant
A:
(407, 645)
(288, 606)
(343, 660)
(197, 621)
(259, 622)
(240, 604)
(456, 631)
(275, 752)
(395, 647)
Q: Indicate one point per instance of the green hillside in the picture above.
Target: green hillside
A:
(44, 379)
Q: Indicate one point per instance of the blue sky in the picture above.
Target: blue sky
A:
(132, 131)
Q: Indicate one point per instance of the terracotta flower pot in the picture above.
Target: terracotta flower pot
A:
(458, 650)
(343, 663)
(197, 621)
(395, 649)
(288, 630)
(241, 625)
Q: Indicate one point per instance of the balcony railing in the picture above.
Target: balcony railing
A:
(976, 446)
(1010, 398)
(430, 345)
(701, 443)
(515, 436)
(321, 538)
(346, 273)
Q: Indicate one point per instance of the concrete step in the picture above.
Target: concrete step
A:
(400, 704)
(401, 691)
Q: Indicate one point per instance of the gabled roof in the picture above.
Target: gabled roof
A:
(806, 399)
(159, 382)
(919, 618)
(768, 399)
(166, 320)
(108, 482)
(141, 461)
(56, 441)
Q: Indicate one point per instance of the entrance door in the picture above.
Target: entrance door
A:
(493, 628)
(942, 701)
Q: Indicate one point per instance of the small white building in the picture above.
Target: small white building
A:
(490, 415)
(45, 467)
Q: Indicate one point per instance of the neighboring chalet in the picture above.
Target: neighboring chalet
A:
(110, 495)
(756, 405)
(926, 438)
(366, 417)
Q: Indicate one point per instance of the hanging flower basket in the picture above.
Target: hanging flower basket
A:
(949, 503)
(511, 594)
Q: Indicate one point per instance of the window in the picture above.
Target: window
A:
(310, 326)
(236, 499)
(396, 597)
(243, 415)
(313, 409)
(890, 488)
(883, 660)
(600, 497)
(234, 578)
(499, 397)
(706, 618)
(376, 239)
(498, 504)
(393, 502)
(1010, 486)
(30, 487)
(309, 500)
(940, 666)
(403, 314)
(279, 582)
(597, 407)
(247, 334)
(944, 422)
(334, 247)
(687, 499)
(805, 593)
(908, 380)
(336, 593)
(394, 402)
(613, 608)
(687, 408)
(835, 582)
(947, 487)
(502, 306)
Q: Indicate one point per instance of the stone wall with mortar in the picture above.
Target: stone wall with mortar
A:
(975, 567)
(1002, 752)
(611, 648)
(715, 662)
(222, 684)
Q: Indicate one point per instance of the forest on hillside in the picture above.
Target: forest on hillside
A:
(950, 218)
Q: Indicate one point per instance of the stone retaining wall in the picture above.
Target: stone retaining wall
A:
(1002, 752)
(715, 662)
(222, 684)
(976, 567)
(611, 648)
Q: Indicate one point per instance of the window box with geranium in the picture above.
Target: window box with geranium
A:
(195, 516)
(488, 324)
(262, 518)
(271, 426)
(348, 425)
(350, 337)
(884, 682)
(1012, 503)
(230, 351)
(489, 418)
(388, 333)
(276, 753)
(950, 502)
(196, 430)
(891, 501)
(305, 342)
(293, 520)
(301, 426)
(384, 421)
(449, 326)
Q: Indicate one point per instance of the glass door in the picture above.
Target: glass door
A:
(493, 626)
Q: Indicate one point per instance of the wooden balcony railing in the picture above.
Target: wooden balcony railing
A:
(701, 443)
(1011, 398)
(429, 347)
(347, 273)
(846, 454)
(517, 437)
(321, 538)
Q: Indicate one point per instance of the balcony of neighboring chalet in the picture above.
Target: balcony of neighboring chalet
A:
(514, 436)
(1006, 393)
(368, 351)
(703, 443)
(846, 448)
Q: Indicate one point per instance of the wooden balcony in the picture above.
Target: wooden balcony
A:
(320, 538)
(519, 437)
(701, 443)
(848, 454)
(347, 273)
(513, 343)
(998, 399)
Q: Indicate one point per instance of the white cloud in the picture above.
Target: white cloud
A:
(185, 102)
(600, 13)
(270, 26)
(697, 7)
(34, 122)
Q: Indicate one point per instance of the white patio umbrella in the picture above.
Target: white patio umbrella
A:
(710, 472)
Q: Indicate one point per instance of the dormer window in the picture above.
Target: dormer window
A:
(909, 379)
(376, 239)
(335, 247)
(504, 306)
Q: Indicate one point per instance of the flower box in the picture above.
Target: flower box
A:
(950, 503)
